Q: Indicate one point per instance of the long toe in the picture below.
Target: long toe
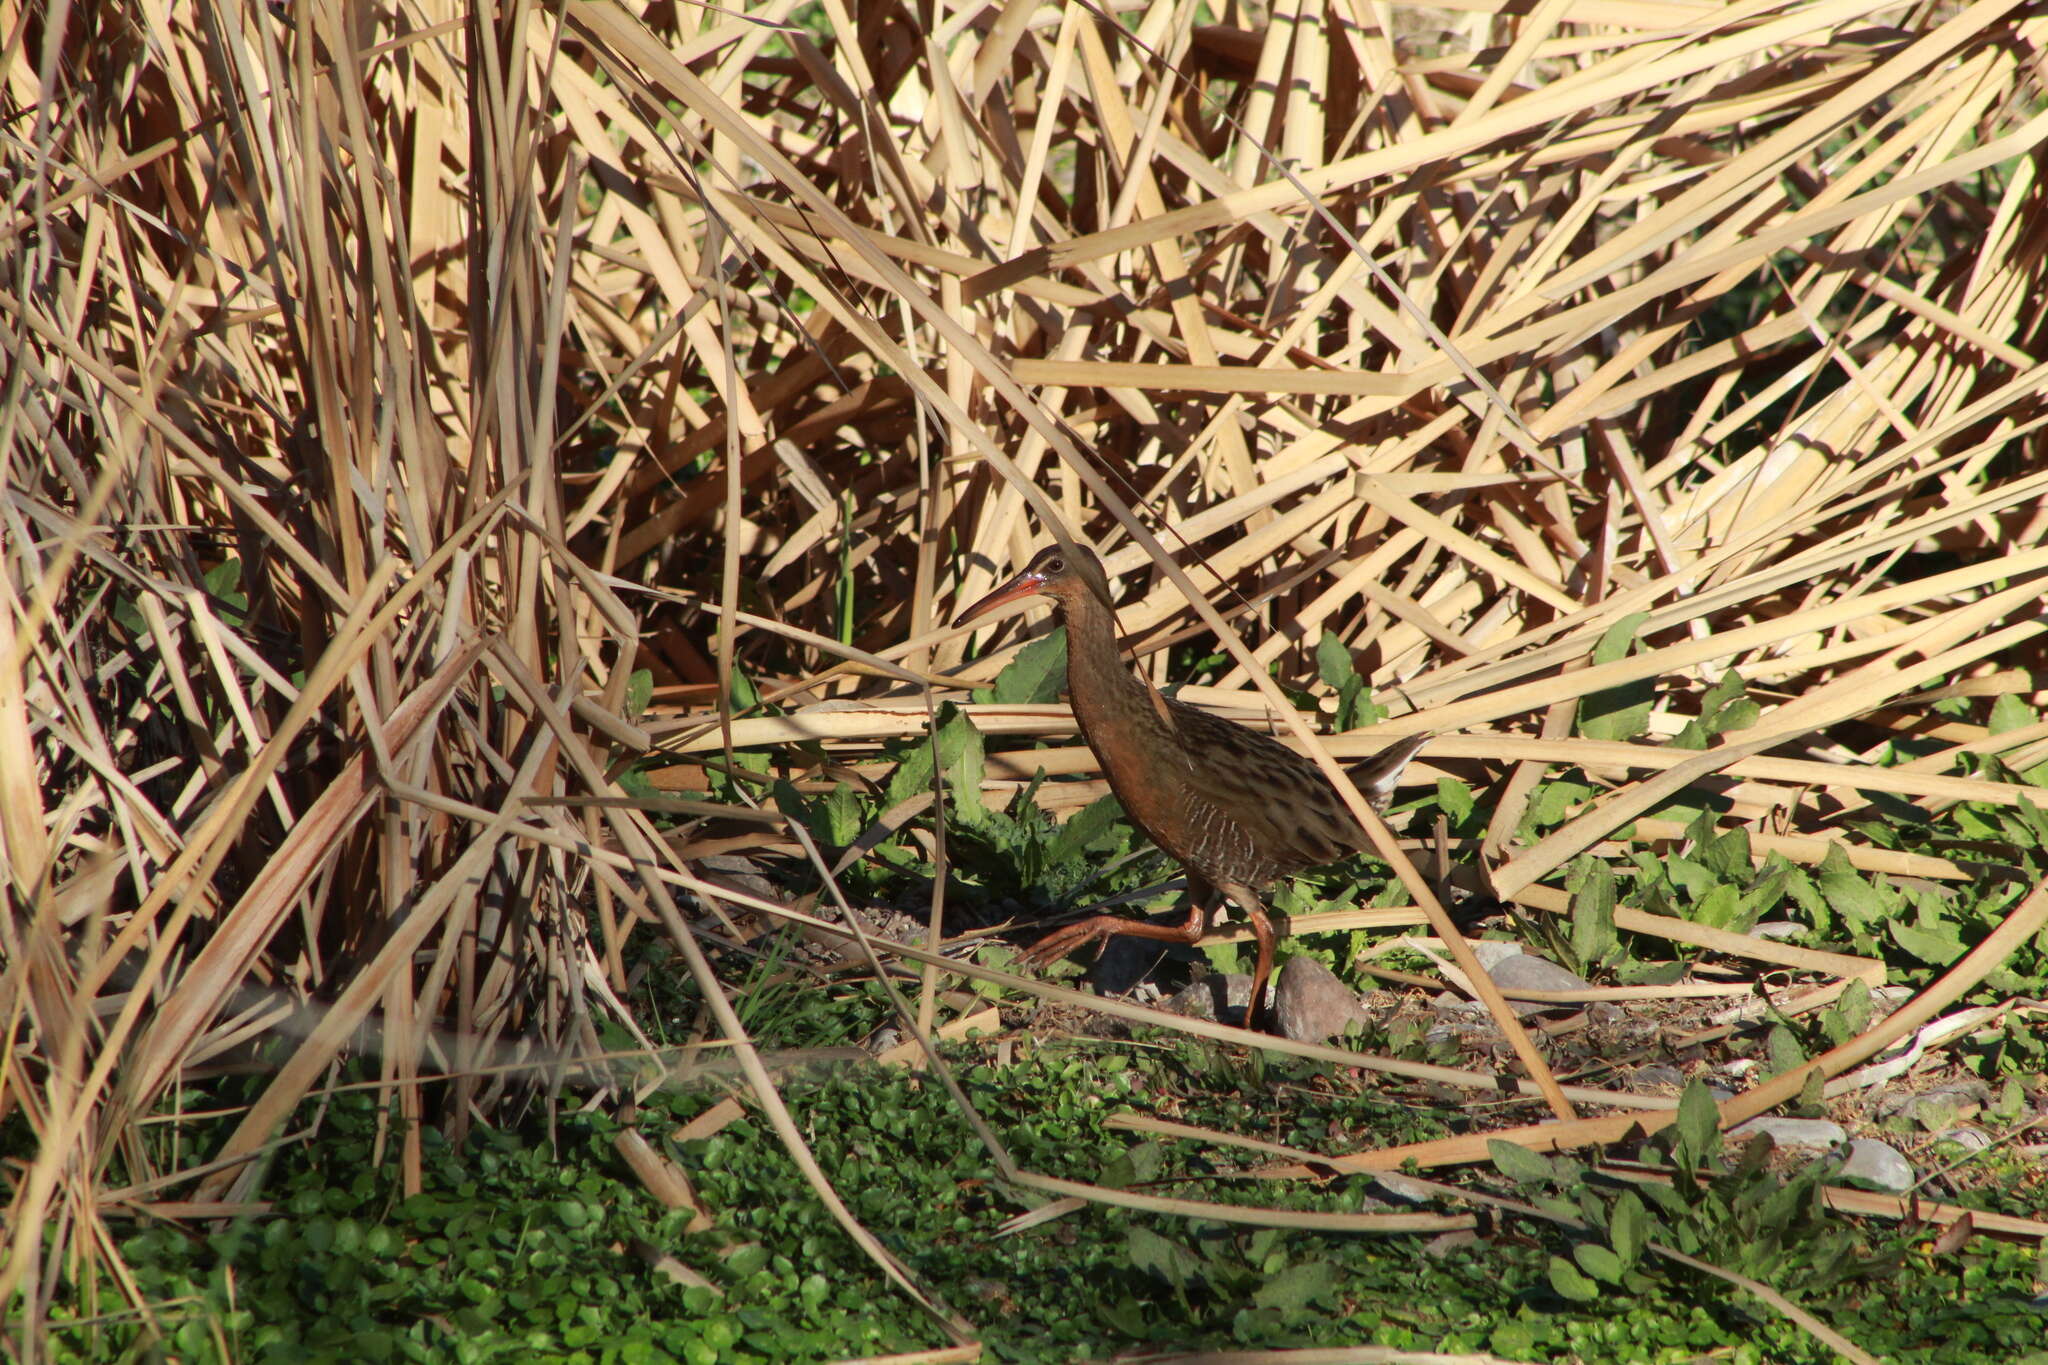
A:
(1060, 943)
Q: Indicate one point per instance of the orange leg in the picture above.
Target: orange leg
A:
(1262, 931)
(1098, 928)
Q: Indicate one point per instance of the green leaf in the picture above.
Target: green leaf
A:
(1296, 1287)
(1848, 894)
(1719, 908)
(1593, 940)
(745, 696)
(1569, 1283)
(1728, 855)
(1738, 715)
(1784, 1051)
(1455, 798)
(1617, 713)
(1038, 672)
(1086, 828)
(1518, 1163)
(913, 776)
(1170, 1261)
(960, 759)
(639, 690)
(1140, 1162)
(1333, 661)
(1729, 689)
(2008, 712)
(1938, 947)
(1629, 1227)
(842, 816)
(1848, 1016)
(1598, 1262)
(1699, 1123)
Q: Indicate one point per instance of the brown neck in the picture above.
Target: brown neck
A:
(1107, 699)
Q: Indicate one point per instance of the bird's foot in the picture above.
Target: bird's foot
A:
(1061, 942)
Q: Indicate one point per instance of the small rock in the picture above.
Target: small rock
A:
(1491, 952)
(1217, 995)
(1969, 1139)
(1878, 1165)
(1310, 1004)
(1651, 1080)
(1444, 1243)
(1522, 972)
(1818, 1133)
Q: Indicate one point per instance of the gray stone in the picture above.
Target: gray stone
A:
(1444, 1243)
(1969, 1139)
(1216, 995)
(1516, 970)
(1656, 1080)
(1491, 952)
(1878, 1165)
(1818, 1133)
(1310, 1004)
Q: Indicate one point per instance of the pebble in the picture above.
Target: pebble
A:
(1310, 1004)
(1878, 1165)
(1818, 1133)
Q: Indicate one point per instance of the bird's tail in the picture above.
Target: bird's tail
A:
(1379, 775)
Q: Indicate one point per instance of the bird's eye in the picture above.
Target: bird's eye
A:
(1055, 565)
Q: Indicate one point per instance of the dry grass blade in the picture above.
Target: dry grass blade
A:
(397, 404)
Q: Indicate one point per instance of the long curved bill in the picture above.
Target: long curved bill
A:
(1026, 584)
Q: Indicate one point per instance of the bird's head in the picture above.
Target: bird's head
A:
(1062, 572)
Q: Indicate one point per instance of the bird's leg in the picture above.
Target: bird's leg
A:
(1262, 930)
(1097, 928)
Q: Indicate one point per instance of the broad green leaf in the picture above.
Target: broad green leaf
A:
(1699, 1122)
(2010, 713)
(1937, 947)
(1569, 1283)
(1333, 661)
(1593, 939)
(1727, 855)
(1729, 689)
(1518, 1163)
(1848, 894)
(1455, 798)
(1848, 1016)
(639, 690)
(912, 776)
(841, 809)
(1629, 1227)
(1155, 1255)
(1086, 828)
(1617, 713)
(1038, 672)
(1784, 1052)
(1140, 1162)
(745, 696)
(960, 759)
(1598, 1262)
(1296, 1287)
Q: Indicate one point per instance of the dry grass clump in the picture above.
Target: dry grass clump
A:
(386, 385)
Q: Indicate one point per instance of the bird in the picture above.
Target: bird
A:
(1235, 807)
